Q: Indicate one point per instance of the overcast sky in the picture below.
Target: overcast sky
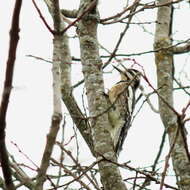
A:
(30, 106)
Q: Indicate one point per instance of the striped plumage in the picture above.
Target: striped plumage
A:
(122, 97)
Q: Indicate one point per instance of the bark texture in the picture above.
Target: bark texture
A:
(171, 121)
(61, 71)
(66, 86)
(92, 70)
(57, 112)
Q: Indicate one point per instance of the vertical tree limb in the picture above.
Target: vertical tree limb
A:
(165, 71)
(14, 37)
(62, 65)
(66, 88)
(93, 76)
(57, 113)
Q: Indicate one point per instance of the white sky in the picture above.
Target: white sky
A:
(30, 107)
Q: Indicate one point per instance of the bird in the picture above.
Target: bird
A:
(121, 97)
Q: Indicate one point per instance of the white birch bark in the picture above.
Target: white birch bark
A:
(92, 70)
(57, 112)
(164, 64)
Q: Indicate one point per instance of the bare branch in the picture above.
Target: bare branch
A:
(22, 176)
(132, 9)
(76, 178)
(69, 13)
(167, 159)
(148, 100)
(57, 112)
(88, 9)
(14, 37)
(182, 49)
(39, 58)
(78, 165)
(152, 178)
(149, 5)
(66, 89)
(43, 19)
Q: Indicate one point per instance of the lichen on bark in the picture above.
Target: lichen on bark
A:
(97, 104)
(165, 71)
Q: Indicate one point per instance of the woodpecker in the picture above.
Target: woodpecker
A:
(122, 99)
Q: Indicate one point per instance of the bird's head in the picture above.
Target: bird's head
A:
(130, 75)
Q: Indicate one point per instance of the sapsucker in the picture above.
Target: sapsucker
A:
(122, 99)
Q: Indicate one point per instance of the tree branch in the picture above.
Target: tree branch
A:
(182, 49)
(14, 37)
(94, 83)
(41, 16)
(57, 112)
(69, 13)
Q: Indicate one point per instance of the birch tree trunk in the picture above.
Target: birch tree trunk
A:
(92, 70)
(57, 111)
(171, 120)
(66, 86)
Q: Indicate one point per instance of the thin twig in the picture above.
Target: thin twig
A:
(76, 178)
(160, 151)
(42, 18)
(122, 34)
(25, 155)
(78, 165)
(88, 9)
(149, 5)
(167, 158)
(126, 166)
(147, 180)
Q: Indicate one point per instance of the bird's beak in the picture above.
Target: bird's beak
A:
(119, 70)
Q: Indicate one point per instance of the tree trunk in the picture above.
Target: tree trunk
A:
(165, 69)
(92, 70)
